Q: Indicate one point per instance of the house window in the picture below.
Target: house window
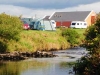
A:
(60, 16)
(55, 16)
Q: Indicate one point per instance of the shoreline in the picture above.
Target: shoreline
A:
(14, 56)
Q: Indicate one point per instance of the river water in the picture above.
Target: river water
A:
(60, 65)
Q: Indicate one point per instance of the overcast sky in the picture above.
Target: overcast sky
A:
(40, 8)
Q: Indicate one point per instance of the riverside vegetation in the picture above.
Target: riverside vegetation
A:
(90, 64)
(14, 38)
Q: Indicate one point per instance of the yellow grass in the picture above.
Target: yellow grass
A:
(33, 40)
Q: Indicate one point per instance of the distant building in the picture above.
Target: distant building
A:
(40, 24)
(65, 18)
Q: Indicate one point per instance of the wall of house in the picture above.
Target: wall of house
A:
(91, 18)
(58, 24)
(65, 23)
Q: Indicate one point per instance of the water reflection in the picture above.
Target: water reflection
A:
(9, 68)
(16, 68)
(34, 67)
(66, 64)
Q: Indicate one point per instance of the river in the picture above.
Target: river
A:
(60, 65)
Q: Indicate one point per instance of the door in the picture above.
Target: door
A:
(92, 19)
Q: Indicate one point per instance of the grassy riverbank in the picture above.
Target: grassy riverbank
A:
(33, 40)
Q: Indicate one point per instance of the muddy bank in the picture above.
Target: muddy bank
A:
(25, 55)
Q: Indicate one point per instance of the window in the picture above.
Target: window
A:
(73, 23)
(53, 22)
(55, 15)
(77, 23)
(84, 23)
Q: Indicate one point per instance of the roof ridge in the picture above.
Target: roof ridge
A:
(70, 16)
(72, 11)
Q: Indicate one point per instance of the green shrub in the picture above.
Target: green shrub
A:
(10, 27)
(71, 36)
(3, 47)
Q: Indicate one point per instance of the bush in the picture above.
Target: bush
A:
(3, 47)
(71, 36)
(10, 27)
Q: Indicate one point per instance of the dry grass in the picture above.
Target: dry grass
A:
(33, 40)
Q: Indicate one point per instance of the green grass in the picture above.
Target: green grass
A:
(33, 40)
(80, 31)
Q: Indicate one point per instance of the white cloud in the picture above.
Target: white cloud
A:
(27, 12)
(87, 7)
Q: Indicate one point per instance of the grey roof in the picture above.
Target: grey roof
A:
(46, 18)
(70, 16)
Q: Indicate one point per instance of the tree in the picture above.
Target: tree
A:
(10, 27)
(90, 64)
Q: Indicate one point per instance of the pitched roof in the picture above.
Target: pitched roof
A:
(70, 16)
(46, 18)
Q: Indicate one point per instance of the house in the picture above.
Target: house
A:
(65, 18)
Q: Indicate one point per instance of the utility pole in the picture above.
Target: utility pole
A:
(35, 16)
